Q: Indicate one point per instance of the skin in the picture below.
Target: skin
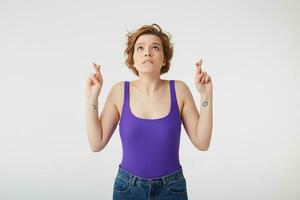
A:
(152, 91)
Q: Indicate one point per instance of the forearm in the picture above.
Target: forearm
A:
(93, 125)
(205, 123)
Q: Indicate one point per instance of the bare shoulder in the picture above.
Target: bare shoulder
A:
(182, 88)
(117, 87)
(117, 91)
(182, 93)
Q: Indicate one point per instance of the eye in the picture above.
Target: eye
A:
(156, 48)
(139, 48)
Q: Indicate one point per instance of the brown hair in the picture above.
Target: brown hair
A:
(149, 29)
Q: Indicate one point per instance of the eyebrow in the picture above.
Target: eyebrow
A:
(144, 43)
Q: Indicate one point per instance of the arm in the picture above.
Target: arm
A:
(100, 129)
(198, 126)
(205, 123)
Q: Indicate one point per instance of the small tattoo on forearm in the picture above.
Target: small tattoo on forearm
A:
(94, 106)
(205, 103)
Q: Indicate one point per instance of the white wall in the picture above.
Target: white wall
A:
(250, 48)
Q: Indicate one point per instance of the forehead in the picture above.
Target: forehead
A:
(148, 38)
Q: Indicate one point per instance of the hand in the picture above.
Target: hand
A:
(94, 83)
(202, 81)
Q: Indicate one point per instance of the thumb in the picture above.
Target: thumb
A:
(94, 79)
(88, 83)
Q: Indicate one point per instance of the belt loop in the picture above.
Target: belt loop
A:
(164, 180)
(133, 180)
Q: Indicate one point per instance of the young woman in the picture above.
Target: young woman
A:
(150, 111)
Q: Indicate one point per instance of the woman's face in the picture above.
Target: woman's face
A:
(148, 55)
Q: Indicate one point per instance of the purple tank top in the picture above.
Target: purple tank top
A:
(150, 146)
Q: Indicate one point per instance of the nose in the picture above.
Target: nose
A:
(148, 53)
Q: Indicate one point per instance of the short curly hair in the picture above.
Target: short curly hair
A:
(153, 29)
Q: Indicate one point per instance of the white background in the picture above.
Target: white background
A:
(250, 49)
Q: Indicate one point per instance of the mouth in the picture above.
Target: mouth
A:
(148, 61)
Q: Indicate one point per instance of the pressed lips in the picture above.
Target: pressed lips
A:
(148, 60)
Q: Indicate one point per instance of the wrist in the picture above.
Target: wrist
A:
(92, 105)
(205, 97)
(91, 102)
(205, 101)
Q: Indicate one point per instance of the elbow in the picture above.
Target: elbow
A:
(202, 147)
(96, 146)
(96, 149)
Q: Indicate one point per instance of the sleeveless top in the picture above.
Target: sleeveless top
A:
(150, 146)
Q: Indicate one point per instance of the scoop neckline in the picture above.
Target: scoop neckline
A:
(150, 119)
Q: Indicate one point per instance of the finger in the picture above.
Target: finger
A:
(98, 73)
(96, 67)
(91, 80)
(197, 79)
(200, 75)
(203, 77)
(93, 75)
(94, 79)
(207, 79)
(199, 67)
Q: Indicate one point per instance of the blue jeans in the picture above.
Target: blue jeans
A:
(130, 187)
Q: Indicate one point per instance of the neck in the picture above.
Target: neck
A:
(148, 84)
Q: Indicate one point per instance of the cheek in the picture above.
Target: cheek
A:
(136, 57)
(163, 58)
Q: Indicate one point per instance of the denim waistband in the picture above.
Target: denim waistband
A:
(169, 178)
